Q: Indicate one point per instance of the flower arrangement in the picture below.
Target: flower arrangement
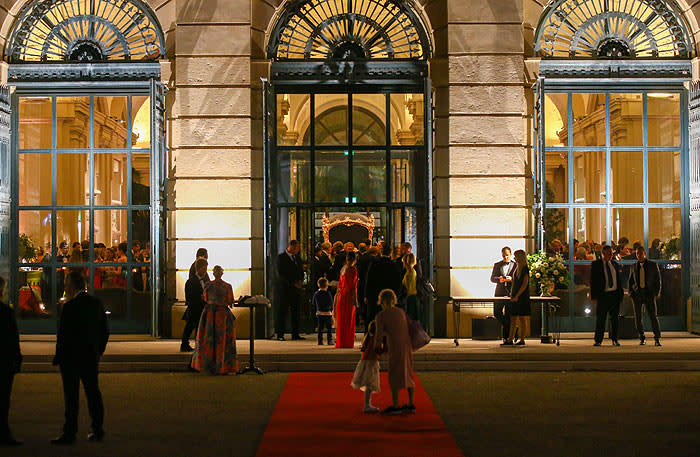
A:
(547, 272)
(672, 248)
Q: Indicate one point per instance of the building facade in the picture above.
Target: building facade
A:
(237, 125)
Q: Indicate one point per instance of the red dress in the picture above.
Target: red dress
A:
(345, 309)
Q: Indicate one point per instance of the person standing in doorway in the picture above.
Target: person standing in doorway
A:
(606, 293)
(645, 287)
(10, 363)
(194, 298)
(502, 276)
(381, 274)
(290, 281)
(346, 303)
(81, 340)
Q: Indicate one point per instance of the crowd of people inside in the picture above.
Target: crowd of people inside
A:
(34, 295)
(593, 250)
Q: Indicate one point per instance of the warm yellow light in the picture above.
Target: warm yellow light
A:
(661, 95)
(142, 126)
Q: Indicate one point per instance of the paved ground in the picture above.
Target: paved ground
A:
(489, 414)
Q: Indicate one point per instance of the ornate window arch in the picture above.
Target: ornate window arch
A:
(613, 29)
(349, 30)
(85, 31)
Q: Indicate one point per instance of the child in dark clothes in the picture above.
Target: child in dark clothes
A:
(323, 300)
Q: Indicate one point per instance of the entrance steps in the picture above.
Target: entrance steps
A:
(680, 352)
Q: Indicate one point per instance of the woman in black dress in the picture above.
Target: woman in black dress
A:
(519, 306)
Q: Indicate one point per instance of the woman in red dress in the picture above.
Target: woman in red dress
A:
(346, 303)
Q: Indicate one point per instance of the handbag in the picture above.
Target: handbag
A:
(419, 337)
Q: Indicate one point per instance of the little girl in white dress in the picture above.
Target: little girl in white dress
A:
(367, 372)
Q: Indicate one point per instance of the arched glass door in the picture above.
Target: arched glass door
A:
(88, 145)
(349, 129)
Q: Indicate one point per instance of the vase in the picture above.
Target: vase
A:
(546, 290)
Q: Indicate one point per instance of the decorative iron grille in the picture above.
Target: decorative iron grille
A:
(349, 30)
(85, 31)
(612, 29)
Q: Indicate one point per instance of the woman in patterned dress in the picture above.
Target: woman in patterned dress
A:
(216, 335)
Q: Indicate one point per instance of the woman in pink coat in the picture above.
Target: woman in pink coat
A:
(392, 324)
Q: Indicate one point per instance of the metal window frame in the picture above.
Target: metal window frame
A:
(598, 77)
(28, 81)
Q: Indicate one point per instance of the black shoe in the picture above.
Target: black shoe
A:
(596, 343)
(642, 342)
(320, 342)
(9, 441)
(392, 411)
(96, 436)
(520, 343)
(63, 439)
(616, 343)
(298, 337)
(507, 343)
(657, 342)
(280, 337)
(411, 409)
(186, 348)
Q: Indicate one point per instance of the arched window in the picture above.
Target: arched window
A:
(87, 153)
(613, 29)
(612, 133)
(85, 31)
(349, 30)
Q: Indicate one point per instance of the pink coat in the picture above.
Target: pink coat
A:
(392, 324)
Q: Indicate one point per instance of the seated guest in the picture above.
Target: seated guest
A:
(216, 336)
(655, 249)
(502, 276)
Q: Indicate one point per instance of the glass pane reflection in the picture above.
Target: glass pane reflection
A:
(589, 119)
(34, 172)
(73, 122)
(331, 176)
(664, 119)
(110, 122)
(35, 122)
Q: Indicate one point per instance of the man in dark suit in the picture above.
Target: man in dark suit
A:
(10, 362)
(289, 284)
(502, 276)
(606, 293)
(194, 290)
(201, 254)
(81, 341)
(645, 286)
(320, 267)
(381, 274)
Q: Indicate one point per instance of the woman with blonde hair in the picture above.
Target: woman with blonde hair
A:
(216, 334)
(519, 300)
(409, 284)
(392, 324)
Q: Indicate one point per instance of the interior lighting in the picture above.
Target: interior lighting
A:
(588, 310)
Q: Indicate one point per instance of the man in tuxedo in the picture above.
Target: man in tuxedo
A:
(194, 298)
(644, 287)
(606, 293)
(290, 281)
(10, 362)
(381, 274)
(502, 276)
(203, 254)
(81, 341)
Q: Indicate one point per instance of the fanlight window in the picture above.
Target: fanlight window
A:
(612, 29)
(85, 31)
(348, 30)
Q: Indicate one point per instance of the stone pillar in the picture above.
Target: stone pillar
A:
(488, 181)
(210, 188)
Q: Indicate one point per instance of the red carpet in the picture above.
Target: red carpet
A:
(319, 414)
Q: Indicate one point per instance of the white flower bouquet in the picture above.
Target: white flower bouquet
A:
(547, 273)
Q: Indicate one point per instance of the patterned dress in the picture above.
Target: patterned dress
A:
(216, 335)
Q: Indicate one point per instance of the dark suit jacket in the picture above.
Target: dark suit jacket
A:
(289, 272)
(381, 274)
(363, 263)
(320, 267)
(598, 280)
(652, 278)
(82, 332)
(338, 263)
(194, 297)
(10, 355)
(502, 289)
